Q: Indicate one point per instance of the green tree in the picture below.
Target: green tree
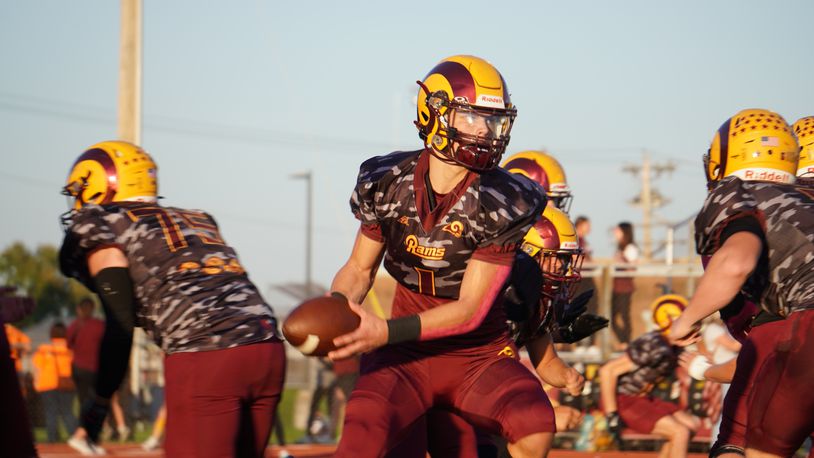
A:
(36, 274)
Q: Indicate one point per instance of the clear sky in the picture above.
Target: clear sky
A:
(239, 95)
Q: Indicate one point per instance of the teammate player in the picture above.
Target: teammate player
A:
(759, 230)
(539, 306)
(169, 271)
(544, 169)
(447, 223)
(804, 132)
(626, 383)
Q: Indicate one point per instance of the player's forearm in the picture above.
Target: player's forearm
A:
(468, 312)
(722, 373)
(353, 282)
(546, 363)
(727, 271)
(115, 289)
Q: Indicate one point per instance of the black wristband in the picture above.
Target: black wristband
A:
(403, 329)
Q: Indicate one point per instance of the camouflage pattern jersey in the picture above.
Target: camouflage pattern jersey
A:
(192, 292)
(427, 250)
(784, 279)
(655, 359)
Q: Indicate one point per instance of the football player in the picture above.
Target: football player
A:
(627, 381)
(169, 271)
(804, 132)
(758, 229)
(544, 169)
(448, 223)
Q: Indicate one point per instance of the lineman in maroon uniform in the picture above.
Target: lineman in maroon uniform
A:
(447, 223)
(169, 271)
(759, 231)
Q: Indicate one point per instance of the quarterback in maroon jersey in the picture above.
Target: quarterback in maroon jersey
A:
(447, 222)
(169, 271)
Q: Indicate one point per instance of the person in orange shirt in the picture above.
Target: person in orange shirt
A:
(52, 379)
(20, 345)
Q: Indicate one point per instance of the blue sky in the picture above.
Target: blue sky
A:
(239, 95)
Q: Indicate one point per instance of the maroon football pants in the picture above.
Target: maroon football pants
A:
(491, 390)
(781, 405)
(222, 403)
(770, 400)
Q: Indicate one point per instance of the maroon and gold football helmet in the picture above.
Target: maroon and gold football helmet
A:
(465, 113)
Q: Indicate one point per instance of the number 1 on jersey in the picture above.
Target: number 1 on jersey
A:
(426, 281)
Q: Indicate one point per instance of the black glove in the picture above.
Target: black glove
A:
(94, 413)
(615, 426)
(582, 327)
(567, 313)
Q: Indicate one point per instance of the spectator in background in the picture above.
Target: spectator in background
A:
(84, 337)
(583, 225)
(52, 379)
(626, 253)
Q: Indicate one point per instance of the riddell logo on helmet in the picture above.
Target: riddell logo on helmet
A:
(492, 101)
(762, 174)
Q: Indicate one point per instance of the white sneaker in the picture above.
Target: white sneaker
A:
(83, 446)
(97, 449)
(152, 443)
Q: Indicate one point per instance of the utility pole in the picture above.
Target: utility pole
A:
(309, 227)
(129, 110)
(649, 199)
(129, 125)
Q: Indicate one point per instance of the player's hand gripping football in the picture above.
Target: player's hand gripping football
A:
(371, 334)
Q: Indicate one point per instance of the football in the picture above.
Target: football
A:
(313, 325)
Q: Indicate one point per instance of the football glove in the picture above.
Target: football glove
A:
(583, 326)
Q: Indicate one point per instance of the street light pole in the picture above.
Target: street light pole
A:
(308, 177)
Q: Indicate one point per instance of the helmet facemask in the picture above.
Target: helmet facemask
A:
(561, 201)
(561, 273)
(471, 136)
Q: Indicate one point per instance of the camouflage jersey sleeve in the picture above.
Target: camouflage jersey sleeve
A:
(90, 229)
(729, 201)
(654, 358)
(375, 175)
(510, 204)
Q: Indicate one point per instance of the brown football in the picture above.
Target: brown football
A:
(313, 325)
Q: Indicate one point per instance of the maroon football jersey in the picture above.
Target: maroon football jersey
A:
(427, 250)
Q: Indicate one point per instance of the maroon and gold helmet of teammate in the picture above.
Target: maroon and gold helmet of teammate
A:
(666, 309)
(553, 242)
(544, 169)
(804, 131)
(469, 90)
(112, 171)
